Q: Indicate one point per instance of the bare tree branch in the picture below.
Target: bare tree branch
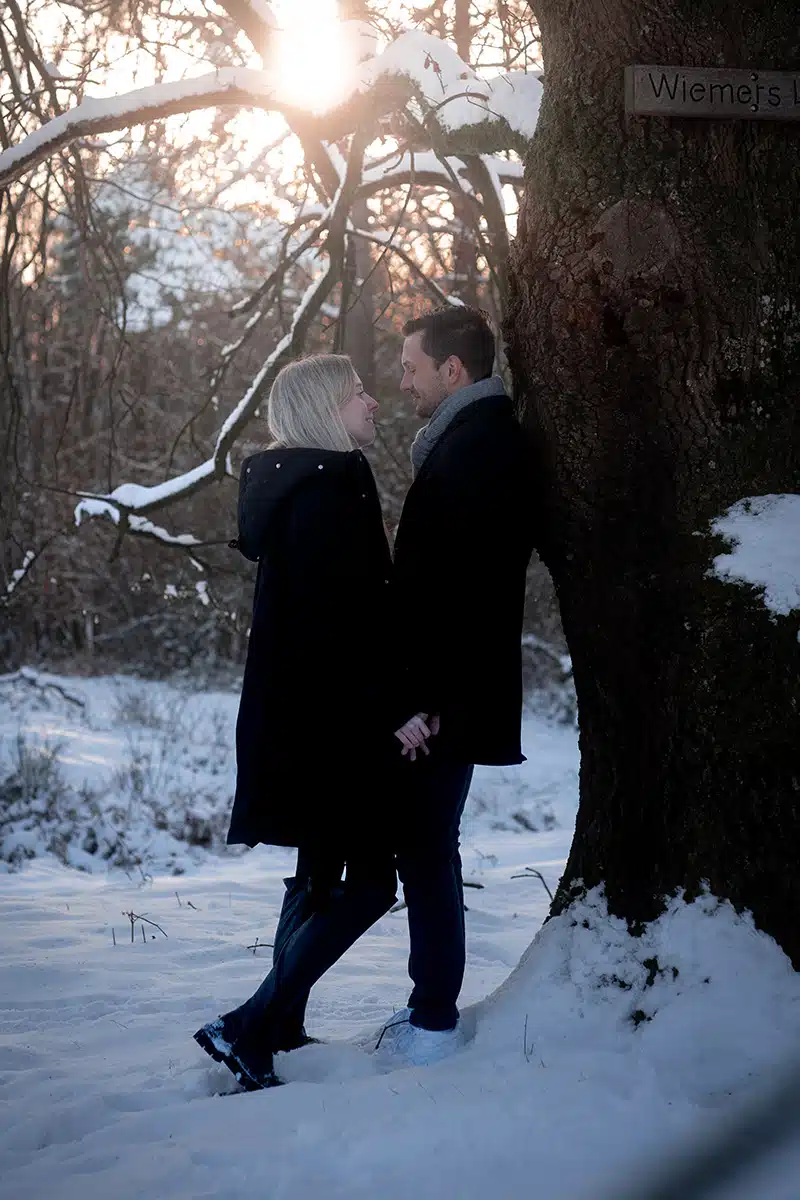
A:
(133, 500)
(391, 248)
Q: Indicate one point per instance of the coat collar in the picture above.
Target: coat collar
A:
(446, 413)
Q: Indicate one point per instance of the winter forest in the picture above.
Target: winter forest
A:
(195, 193)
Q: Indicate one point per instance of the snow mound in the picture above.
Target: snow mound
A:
(674, 1009)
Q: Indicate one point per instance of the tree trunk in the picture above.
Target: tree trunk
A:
(654, 334)
(359, 323)
(465, 249)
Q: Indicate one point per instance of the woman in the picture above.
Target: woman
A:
(316, 752)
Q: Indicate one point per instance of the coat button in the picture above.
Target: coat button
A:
(319, 468)
(277, 466)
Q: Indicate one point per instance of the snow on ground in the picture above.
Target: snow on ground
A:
(596, 1053)
(113, 772)
(117, 772)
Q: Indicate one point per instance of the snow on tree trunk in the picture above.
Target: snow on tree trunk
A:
(654, 330)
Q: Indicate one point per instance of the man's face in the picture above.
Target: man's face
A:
(427, 383)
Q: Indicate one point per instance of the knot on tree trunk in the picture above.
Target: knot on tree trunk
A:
(634, 239)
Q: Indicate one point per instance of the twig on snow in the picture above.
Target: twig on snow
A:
(532, 873)
(257, 945)
(526, 1049)
(134, 917)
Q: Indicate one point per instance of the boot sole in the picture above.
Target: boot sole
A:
(236, 1068)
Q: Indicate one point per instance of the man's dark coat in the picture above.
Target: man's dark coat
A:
(461, 553)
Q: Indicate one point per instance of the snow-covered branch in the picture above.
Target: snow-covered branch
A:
(231, 85)
(139, 525)
(464, 109)
(21, 573)
(17, 576)
(428, 168)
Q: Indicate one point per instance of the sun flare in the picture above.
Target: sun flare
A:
(313, 60)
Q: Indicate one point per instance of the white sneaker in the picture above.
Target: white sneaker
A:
(398, 1020)
(405, 1045)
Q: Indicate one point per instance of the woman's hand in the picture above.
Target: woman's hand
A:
(413, 735)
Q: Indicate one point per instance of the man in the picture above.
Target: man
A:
(461, 553)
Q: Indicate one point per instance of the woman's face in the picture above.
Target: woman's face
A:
(358, 415)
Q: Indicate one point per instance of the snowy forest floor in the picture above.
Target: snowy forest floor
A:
(590, 1062)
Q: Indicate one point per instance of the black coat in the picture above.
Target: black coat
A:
(461, 553)
(316, 676)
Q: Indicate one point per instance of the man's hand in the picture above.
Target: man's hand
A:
(414, 734)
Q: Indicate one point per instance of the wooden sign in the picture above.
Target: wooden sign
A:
(712, 92)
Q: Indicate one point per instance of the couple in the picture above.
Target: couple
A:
(371, 686)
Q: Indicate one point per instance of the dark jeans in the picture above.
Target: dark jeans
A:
(321, 917)
(429, 865)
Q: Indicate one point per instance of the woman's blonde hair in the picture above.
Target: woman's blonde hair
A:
(305, 401)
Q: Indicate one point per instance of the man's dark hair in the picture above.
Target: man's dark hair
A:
(461, 331)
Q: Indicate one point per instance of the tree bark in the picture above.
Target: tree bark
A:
(654, 335)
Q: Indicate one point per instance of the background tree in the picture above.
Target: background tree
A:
(653, 328)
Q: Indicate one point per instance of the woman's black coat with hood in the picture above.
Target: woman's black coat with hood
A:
(314, 732)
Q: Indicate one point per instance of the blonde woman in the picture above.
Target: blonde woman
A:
(317, 741)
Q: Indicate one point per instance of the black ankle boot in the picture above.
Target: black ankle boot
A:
(250, 1065)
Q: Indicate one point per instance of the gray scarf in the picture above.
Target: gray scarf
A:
(429, 434)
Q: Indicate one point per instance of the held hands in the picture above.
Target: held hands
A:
(415, 733)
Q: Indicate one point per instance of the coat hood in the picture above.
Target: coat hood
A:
(266, 481)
